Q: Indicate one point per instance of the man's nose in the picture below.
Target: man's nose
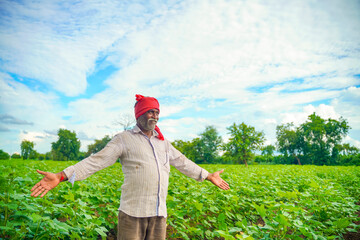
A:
(154, 115)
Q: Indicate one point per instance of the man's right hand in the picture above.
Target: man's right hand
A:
(49, 181)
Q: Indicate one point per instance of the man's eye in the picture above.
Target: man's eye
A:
(153, 112)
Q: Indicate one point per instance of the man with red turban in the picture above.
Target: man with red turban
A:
(146, 157)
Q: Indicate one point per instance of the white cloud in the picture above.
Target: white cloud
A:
(24, 104)
(270, 62)
(28, 105)
(35, 137)
(221, 48)
(352, 141)
(60, 51)
(324, 111)
(347, 105)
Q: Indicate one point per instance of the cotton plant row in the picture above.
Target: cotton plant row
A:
(265, 202)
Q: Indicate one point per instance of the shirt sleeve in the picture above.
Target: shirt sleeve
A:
(100, 160)
(186, 166)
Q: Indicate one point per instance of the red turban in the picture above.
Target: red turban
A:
(145, 104)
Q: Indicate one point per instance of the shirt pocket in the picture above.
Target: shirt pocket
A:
(163, 156)
(166, 164)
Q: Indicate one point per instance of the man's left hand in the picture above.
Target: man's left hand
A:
(217, 180)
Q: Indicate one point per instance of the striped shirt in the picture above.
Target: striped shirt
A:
(146, 167)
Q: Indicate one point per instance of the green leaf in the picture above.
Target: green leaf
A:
(235, 229)
(35, 217)
(101, 231)
(342, 223)
(260, 209)
(282, 220)
(198, 206)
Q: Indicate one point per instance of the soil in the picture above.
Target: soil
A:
(354, 235)
(111, 235)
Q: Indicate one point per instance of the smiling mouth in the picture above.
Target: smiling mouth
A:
(151, 120)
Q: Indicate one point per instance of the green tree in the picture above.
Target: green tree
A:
(204, 149)
(15, 156)
(210, 145)
(27, 147)
(189, 148)
(33, 155)
(268, 152)
(319, 139)
(81, 155)
(66, 147)
(97, 146)
(346, 149)
(288, 141)
(41, 156)
(48, 156)
(4, 155)
(243, 141)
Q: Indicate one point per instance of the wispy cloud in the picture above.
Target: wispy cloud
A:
(4, 129)
(8, 119)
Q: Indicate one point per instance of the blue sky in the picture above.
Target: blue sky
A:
(79, 64)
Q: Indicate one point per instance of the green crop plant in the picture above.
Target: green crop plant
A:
(265, 202)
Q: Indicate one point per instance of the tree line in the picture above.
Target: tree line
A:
(317, 141)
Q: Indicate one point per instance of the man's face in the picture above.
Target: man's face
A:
(148, 120)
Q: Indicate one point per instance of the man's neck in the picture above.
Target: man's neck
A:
(148, 133)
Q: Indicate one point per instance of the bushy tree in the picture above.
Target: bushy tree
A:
(204, 149)
(4, 155)
(267, 153)
(188, 148)
(209, 145)
(289, 142)
(243, 142)
(33, 155)
(15, 156)
(321, 137)
(346, 149)
(81, 156)
(317, 141)
(27, 147)
(97, 146)
(66, 147)
(48, 156)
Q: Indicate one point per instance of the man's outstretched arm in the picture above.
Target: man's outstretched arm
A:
(49, 181)
(217, 180)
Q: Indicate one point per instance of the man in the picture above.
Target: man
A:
(146, 157)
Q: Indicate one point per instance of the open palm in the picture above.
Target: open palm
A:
(217, 180)
(49, 181)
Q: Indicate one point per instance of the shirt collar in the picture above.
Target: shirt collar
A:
(136, 129)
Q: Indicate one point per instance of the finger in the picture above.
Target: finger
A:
(41, 172)
(221, 171)
(35, 186)
(34, 192)
(225, 185)
(44, 193)
(38, 192)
